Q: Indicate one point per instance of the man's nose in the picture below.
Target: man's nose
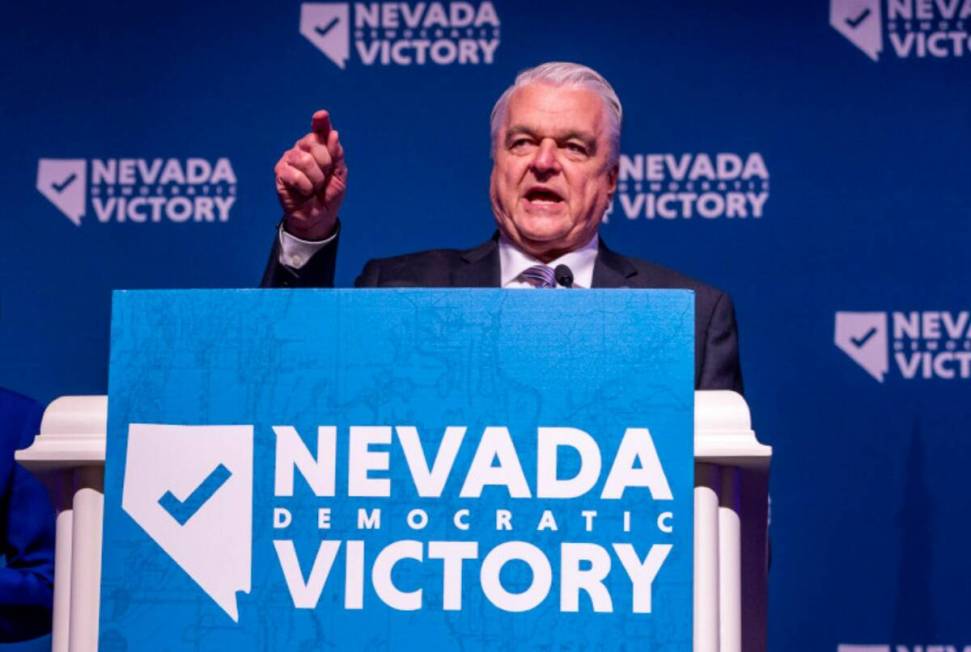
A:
(545, 160)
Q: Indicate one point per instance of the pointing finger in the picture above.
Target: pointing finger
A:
(320, 124)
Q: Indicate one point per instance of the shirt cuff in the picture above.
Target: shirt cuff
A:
(295, 252)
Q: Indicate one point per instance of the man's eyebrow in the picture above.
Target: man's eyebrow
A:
(585, 137)
(517, 130)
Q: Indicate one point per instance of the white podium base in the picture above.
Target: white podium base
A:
(731, 480)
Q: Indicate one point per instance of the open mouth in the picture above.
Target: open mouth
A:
(543, 196)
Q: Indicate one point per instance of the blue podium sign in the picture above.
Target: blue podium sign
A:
(399, 469)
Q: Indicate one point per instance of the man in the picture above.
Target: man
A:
(26, 528)
(555, 146)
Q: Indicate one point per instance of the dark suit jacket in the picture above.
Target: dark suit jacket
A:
(716, 335)
(26, 528)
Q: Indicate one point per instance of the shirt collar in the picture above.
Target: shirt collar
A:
(513, 261)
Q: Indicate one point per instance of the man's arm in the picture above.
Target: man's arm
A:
(295, 263)
(721, 368)
(311, 181)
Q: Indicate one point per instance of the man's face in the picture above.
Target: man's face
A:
(552, 178)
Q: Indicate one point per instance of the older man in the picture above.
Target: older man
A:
(555, 145)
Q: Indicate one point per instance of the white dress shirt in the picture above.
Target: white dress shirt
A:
(294, 253)
(513, 262)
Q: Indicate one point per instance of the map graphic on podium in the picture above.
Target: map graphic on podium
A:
(399, 469)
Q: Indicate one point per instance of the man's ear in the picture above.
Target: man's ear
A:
(612, 175)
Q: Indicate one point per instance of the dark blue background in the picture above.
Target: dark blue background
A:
(868, 211)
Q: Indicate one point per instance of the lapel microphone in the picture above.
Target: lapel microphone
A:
(564, 276)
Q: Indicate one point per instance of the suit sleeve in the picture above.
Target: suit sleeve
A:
(721, 368)
(369, 276)
(26, 531)
(318, 272)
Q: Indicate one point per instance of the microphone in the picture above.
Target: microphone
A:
(564, 276)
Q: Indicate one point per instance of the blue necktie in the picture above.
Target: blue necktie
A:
(540, 276)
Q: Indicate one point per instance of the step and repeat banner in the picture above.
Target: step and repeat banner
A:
(809, 158)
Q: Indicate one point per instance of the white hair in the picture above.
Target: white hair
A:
(559, 74)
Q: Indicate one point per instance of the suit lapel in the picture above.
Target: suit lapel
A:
(479, 267)
(611, 270)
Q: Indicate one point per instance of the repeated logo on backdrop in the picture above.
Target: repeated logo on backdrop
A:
(922, 344)
(935, 29)
(402, 33)
(139, 190)
(692, 186)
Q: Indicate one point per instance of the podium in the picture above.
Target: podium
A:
(531, 455)
(730, 526)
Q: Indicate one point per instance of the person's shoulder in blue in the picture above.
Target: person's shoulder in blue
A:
(26, 528)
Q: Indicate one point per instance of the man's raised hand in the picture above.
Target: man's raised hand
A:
(311, 180)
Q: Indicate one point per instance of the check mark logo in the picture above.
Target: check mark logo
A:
(59, 187)
(322, 31)
(855, 22)
(183, 510)
(859, 342)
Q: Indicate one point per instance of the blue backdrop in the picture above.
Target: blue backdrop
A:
(847, 123)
